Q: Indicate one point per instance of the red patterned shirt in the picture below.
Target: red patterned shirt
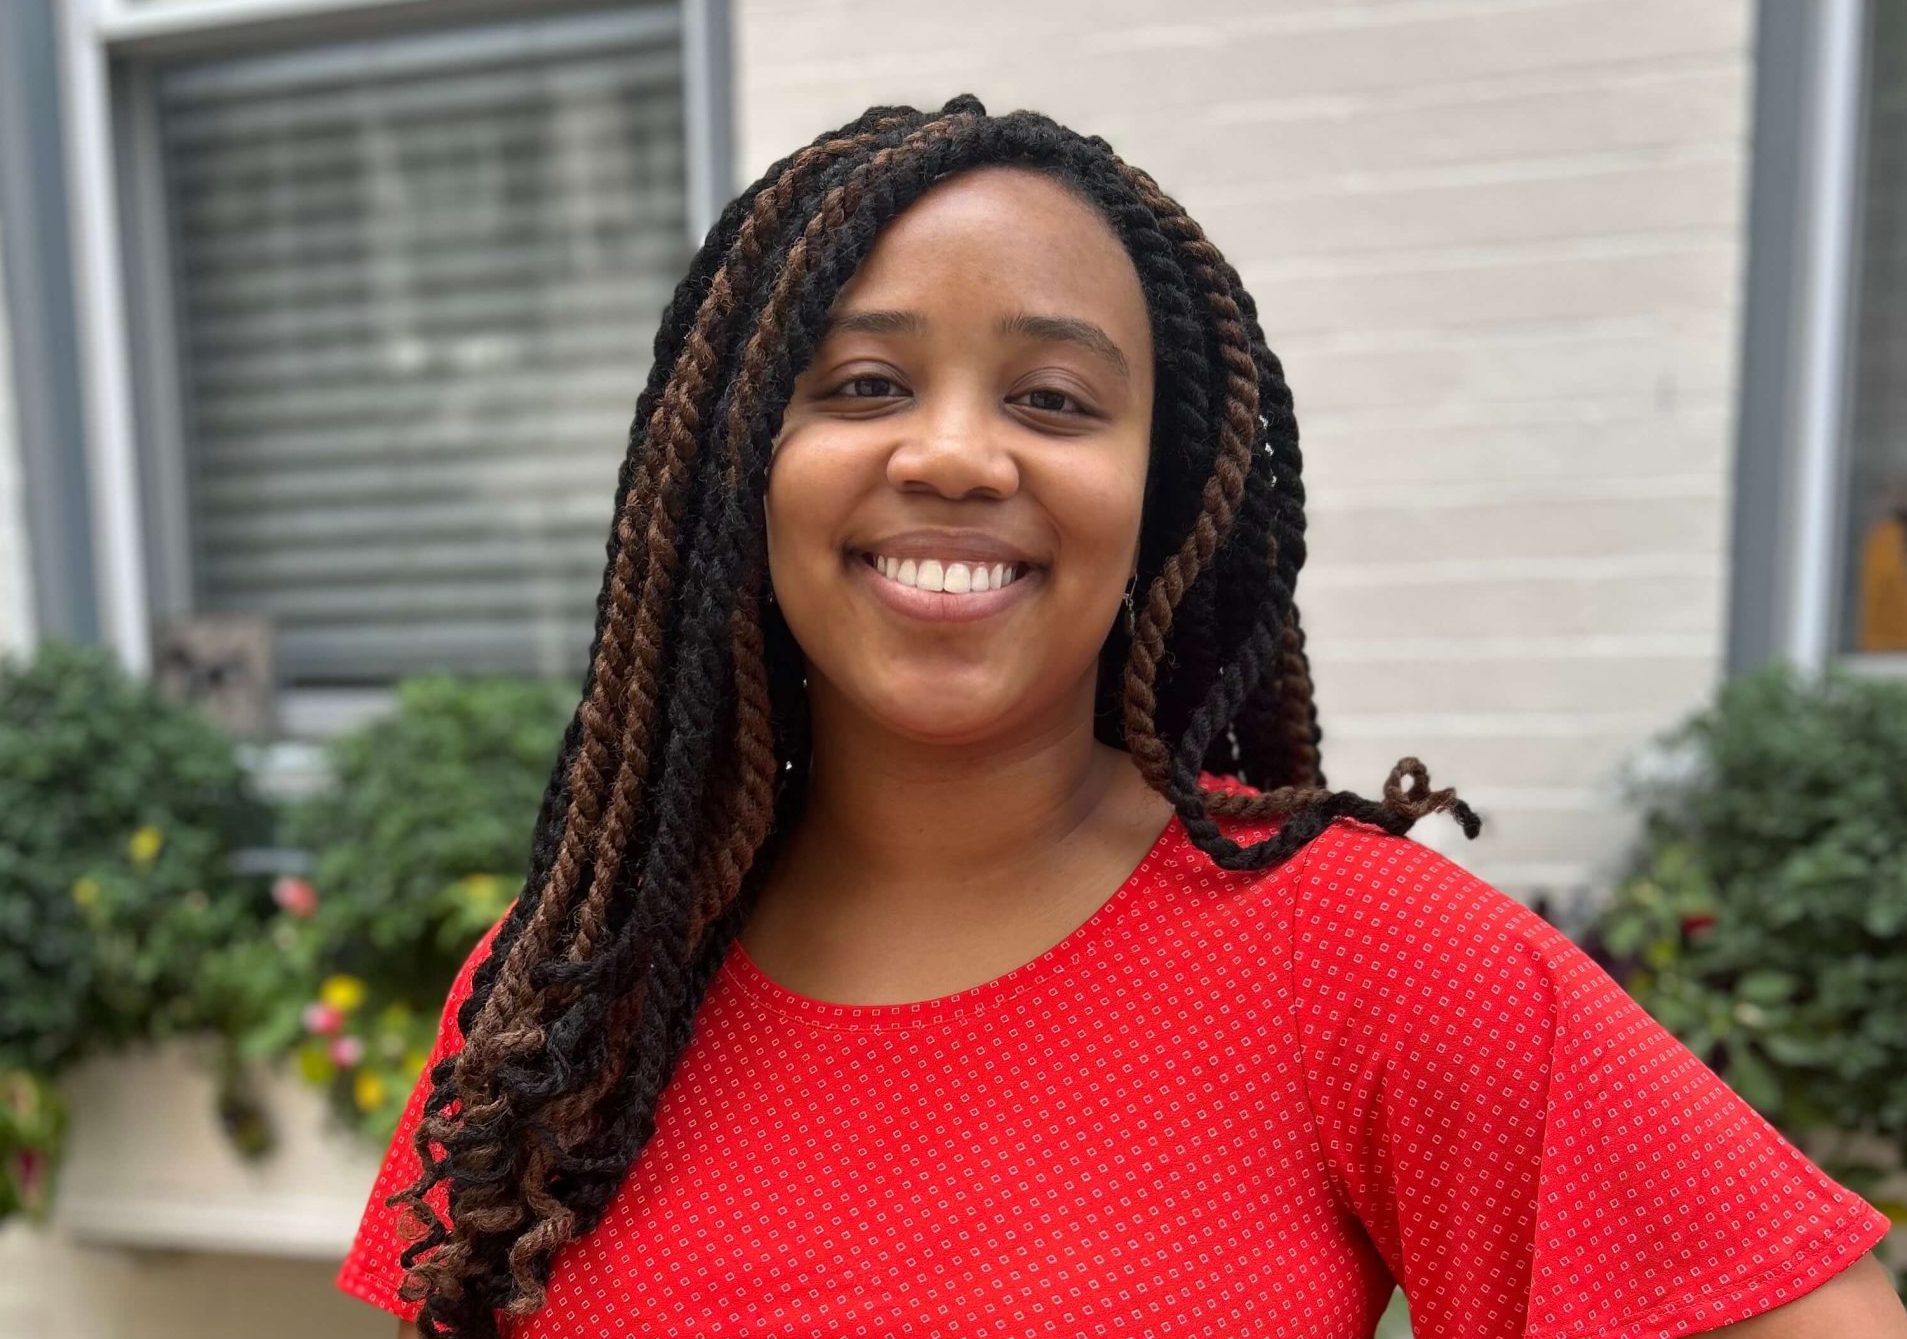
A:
(1230, 1103)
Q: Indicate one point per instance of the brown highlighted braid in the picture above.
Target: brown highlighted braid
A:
(686, 761)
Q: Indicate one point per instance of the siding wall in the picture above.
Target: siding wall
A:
(1498, 246)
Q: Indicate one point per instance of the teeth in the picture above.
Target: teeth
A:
(957, 578)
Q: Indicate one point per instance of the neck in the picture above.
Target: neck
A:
(922, 868)
(929, 819)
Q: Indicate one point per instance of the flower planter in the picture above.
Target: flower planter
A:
(146, 1164)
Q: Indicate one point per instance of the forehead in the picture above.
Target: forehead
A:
(996, 238)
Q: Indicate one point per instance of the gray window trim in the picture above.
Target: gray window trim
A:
(43, 344)
(1791, 457)
(709, 92)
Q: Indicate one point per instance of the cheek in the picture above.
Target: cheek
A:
(811, 492)
(1094, 503)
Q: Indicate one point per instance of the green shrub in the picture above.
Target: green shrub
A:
(123, 917)
(120, 812)
(1765, 921)
(419, 840)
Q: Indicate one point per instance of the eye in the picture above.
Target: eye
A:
(1054, 393)
(843, 391)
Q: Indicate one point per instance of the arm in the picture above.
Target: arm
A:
(1529, 1150)
(1859, 1300)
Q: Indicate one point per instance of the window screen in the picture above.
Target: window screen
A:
(417, 279)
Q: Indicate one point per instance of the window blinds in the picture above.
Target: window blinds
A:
(417, 280)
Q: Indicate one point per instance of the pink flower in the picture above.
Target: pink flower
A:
(26, 1173)
(295, 895)
(1696, 921)
(346, 1051)
(322, 1019)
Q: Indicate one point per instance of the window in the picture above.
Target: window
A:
(1874, 559)
(413, 282)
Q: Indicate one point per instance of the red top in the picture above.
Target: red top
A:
(1228, 1104)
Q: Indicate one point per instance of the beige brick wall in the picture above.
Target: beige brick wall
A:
(1498, 247)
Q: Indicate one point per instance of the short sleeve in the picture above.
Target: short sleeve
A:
(1530, 1152)
(372, 1269)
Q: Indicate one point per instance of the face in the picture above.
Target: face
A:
(980, 407)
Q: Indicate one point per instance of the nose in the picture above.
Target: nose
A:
(955, 445)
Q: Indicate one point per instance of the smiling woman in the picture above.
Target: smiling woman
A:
(938, 922)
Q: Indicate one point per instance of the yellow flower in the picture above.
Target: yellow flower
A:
(414, 1063)
(368, 1090)
(145, 844)
(314, 1066)
(481, 890)
(86, 892)
(341, 992)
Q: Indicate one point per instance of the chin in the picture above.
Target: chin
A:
(940, 713)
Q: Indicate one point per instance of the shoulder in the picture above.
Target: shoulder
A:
(1354, 858)
(1399, 952)
(1381, 911)
(1391, 895)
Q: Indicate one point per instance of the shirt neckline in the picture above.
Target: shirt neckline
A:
(744, 971)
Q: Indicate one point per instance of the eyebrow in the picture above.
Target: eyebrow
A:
(1055, 329)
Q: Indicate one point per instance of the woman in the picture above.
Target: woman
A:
(913, 941)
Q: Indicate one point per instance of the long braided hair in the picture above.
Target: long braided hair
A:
(686, 762)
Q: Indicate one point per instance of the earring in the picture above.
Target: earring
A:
(1131, 581)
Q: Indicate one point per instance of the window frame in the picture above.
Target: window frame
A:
(125, 308)
(1796, 372)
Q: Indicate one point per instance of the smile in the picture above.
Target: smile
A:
(944, 592)
(957, 577)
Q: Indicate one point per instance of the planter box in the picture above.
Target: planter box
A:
(147, 1165)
